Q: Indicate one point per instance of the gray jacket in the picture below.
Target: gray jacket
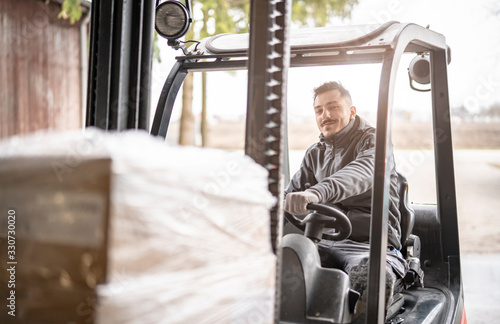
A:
(341, 172)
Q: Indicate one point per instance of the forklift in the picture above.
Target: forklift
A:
(433, 288)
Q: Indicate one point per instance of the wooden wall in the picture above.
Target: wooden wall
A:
(40, 68)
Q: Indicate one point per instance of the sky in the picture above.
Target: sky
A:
(471, 28)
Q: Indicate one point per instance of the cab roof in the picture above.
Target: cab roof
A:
(321, 45)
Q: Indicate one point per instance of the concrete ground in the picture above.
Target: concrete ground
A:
(481, 277)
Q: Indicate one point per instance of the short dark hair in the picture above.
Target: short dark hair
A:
(332, 85)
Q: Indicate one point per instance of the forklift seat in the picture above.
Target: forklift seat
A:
(410, 248)
(410, 243)
(407, 213)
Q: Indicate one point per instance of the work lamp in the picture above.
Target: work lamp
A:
(420, 71)
(173, 19)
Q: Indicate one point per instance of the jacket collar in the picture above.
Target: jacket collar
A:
(342, 137)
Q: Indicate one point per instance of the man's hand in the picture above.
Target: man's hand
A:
(296, 202)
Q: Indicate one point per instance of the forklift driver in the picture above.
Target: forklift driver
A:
(338, 171)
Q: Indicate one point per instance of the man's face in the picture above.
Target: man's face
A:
(332, 112)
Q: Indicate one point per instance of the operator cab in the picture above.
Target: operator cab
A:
(309, 293)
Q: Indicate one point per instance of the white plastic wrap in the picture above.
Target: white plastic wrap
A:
(189, 234)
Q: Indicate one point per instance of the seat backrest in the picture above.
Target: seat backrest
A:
(407, 213)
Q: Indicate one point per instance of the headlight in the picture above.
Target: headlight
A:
(172, 19)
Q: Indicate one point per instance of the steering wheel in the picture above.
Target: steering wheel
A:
(322, 216)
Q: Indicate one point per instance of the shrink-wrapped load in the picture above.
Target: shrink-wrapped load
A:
(188, 238)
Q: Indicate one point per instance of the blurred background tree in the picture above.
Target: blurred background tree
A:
(226, 16)
(72, 10)
(213, 17)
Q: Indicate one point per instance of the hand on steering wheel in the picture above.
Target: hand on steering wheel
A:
(296, 202)
(323, 216)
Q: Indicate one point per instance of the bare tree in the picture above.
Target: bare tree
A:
(232, 16)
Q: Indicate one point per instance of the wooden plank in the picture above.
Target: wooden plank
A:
(40, 77)
(59, 234)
